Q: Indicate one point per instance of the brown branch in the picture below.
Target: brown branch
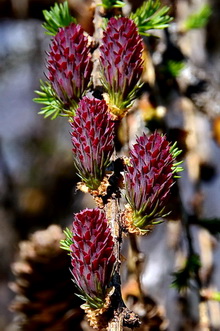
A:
(112, 207)
(120, 314)
(136, 261)
(123, 317)
(116, 324)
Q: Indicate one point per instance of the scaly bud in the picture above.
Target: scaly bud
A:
(148, 179)
(121, 62)
(92, 256)
(69, 64)
(92, 139)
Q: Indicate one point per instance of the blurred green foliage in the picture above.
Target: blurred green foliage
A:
(174, 68)
(151, 16)
(108, 4)
(199, 19)
(183, 277)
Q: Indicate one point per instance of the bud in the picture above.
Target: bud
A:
(148, 179)
(93, 140)
(69, 64)
(121, 63)
(92, 256)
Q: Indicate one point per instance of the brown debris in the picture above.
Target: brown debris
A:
(127, 222)
(96, 194)
(98, 318)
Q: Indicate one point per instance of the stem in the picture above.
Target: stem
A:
(116, 324)
(137, 260)
(113, 215)
(191, 251)
(126, 132)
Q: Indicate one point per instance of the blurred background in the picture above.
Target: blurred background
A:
(181, 96)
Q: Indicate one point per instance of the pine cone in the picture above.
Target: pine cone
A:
(69, 64)
(92, 256)
(148, 179)
(45, 297)
(121, 62)
(93, 140)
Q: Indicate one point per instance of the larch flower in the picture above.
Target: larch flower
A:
(149, 177)
(69, 64)
(121, 63)
(93, 140)
(92, 256)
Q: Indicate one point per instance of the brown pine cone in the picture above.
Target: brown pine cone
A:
(45, 297)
